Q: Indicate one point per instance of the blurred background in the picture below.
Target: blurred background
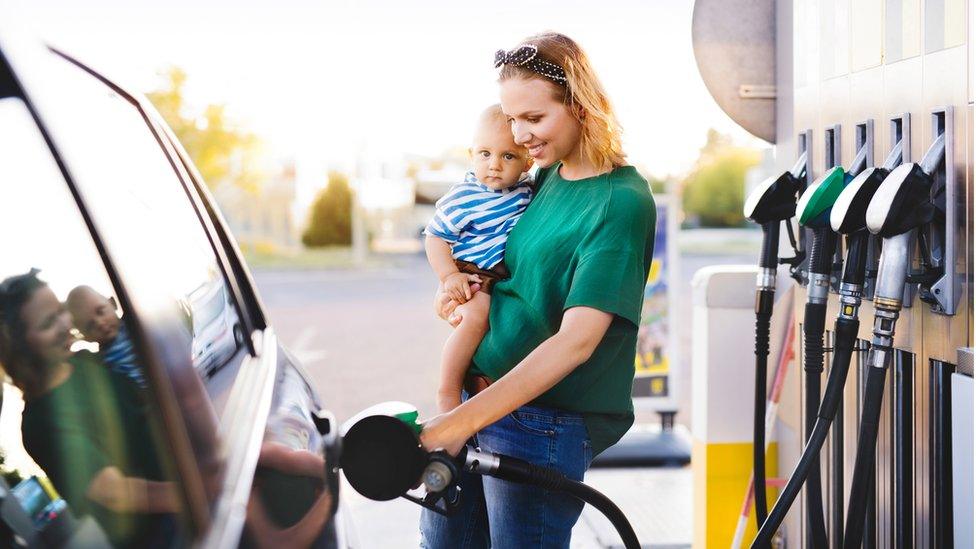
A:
(327, 130)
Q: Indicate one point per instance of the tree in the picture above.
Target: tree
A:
(220, 151)
(330, 218)
(714, 191)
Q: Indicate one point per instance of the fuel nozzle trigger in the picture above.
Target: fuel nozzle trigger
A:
(796, 259)
(441, 478)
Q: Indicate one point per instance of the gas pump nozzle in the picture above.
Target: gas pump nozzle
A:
(901, 205)
(769, 204)
(383, 459)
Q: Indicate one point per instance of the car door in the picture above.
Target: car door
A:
(211, 361)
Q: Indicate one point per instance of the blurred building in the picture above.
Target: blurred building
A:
(263, 216)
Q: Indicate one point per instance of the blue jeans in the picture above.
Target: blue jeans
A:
(502, 514)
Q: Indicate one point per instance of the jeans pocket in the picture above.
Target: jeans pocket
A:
(529, 424)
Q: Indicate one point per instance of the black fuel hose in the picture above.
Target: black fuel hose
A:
(768, 259)
(814, 322)
(523, 472)
(845, 330)
(867, 439)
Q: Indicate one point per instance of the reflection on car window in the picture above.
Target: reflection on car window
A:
(78, 429)
(146, 219)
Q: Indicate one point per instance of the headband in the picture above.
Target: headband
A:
(527, 56)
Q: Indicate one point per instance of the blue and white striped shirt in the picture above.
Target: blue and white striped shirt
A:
(120, 356)
(475, 219)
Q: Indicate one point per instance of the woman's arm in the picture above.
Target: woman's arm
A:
(581, 331)
(120, 493)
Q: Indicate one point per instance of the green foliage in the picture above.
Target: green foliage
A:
(330, 218)
(220, 151)
(659, 185)
(714, 191)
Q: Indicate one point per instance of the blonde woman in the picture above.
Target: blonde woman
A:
(551, 381)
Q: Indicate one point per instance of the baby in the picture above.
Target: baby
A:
(465, 240)
(95, 317)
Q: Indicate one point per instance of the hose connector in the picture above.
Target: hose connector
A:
(477, 461)
(766, 279)
(818, 288)
(850, 301)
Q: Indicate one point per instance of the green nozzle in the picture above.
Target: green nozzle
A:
(410, 418)
(813, 209)
(406, 413)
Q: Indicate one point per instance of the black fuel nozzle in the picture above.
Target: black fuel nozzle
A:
(383, 459)
(775, 198)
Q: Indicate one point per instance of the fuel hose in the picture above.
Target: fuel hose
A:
(765, 293)
(845, 328)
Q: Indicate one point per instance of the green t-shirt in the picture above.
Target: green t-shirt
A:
(95, 419)
(579, 243)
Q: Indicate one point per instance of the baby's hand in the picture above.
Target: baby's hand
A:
(458, 286)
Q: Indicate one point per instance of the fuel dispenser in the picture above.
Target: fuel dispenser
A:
(847, 217)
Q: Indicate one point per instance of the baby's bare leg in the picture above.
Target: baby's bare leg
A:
(460, 348)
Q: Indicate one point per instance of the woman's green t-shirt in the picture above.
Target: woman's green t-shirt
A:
(587, 243)
(95, 419)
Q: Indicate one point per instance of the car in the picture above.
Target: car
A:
(192, 425)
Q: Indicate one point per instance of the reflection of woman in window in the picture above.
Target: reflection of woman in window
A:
(85, 425)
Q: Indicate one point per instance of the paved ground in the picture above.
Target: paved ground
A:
(370, 335)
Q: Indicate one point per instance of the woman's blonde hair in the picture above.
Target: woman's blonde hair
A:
(582, 93)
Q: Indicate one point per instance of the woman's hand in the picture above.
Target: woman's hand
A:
(444, 432)
(458, 286)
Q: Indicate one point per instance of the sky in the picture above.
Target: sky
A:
(330, 83)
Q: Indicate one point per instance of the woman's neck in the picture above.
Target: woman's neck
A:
(576, 166)
(57, 375)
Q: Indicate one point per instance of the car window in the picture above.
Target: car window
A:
(80, 433)
(150, 227)
(155, 238)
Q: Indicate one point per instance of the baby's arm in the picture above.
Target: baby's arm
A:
(456, 283)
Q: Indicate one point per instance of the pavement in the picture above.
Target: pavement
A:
(370, 335)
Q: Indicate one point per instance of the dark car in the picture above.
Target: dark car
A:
(150, 404)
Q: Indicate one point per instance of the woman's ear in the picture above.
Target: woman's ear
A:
(580, 112)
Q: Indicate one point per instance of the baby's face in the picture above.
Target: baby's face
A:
(497, 161)
(94, 316)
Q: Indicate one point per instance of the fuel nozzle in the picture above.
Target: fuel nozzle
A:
(850, 209)
(903, 201)
(383, 460)
(775, 198)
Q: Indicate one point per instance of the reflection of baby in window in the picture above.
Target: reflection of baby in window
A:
(95, 317)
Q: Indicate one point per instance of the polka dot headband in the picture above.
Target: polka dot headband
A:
(527, 56)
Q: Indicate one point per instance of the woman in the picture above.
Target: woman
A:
(85, 425)
(551, 380)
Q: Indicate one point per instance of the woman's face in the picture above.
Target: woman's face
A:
(48, 326)
(540, 123)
